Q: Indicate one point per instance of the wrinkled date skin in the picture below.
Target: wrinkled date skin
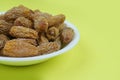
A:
(5, 27)
(55, 20)
(3, 40)
(31, 41)
(52, 33)
(16, 12)
(40, 22)
(17, 48)
(22, 21)
(23, 32)
(48, 47)
(67, 35)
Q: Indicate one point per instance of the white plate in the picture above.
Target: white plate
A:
(38, 59)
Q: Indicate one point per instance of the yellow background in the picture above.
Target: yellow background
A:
(97, 55)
